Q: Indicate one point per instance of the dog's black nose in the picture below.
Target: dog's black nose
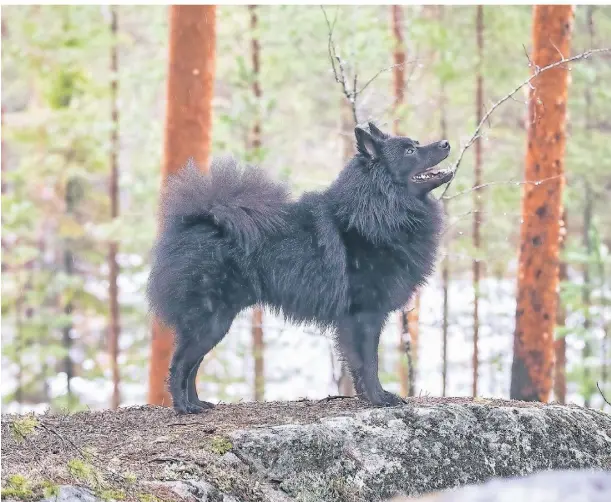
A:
(444, 144)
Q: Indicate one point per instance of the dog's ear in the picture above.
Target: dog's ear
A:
(366, 144)
(375, 131)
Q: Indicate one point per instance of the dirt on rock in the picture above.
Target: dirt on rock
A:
(106, 448)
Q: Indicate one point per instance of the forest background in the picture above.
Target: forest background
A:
(83, 108)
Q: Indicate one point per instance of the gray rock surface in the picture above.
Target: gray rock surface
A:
(340, 451)
(67, 493)
(374, 454)
(550, 486)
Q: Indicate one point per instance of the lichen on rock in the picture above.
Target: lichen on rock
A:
(307, 451)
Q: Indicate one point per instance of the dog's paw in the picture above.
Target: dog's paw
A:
(187, 408)
(202, 404)
(391, 399)
(386, 398)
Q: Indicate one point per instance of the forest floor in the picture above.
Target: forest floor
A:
(110, 449)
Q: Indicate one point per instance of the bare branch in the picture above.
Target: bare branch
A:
(350, 92)
(510, 182)
(456, 219)
(489, 121)
(383, 70)
(537, 72)
(331, 45)
(601, 393)
(530, 62)
(333, 57)
(556, 47)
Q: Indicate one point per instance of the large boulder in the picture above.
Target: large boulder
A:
(335, 450)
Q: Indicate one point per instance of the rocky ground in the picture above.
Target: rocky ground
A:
(331, 450)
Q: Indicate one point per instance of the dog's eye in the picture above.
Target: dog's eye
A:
(409, 150)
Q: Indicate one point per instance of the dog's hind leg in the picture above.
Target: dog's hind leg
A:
(192, 386)
(190, 350)
(358, 337)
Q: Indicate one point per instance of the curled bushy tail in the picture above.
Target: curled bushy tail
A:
(243, 201)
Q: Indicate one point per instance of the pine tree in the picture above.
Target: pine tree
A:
(114, 325)
(187, 135)
(477, 201)
(533, 355)
(258, 344)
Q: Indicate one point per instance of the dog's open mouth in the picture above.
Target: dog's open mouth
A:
(433, 173)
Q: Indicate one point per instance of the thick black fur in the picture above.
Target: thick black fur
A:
(342, 259)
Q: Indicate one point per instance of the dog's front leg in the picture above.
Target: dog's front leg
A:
(358, 338)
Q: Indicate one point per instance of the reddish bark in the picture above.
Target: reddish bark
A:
(531, 375)
(413, 324)
(258, 348)
(398, 71)
(408, 320)
(560, 343)
(258, 343)
(187, 134)
(477, 201)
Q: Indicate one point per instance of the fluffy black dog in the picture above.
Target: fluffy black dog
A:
(343, 258)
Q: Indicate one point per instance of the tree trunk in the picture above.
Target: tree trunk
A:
(113, 288)
(409, 317)
(411, 350)
(187, 134)
(560, 343)
(445, 265)
(586, 352)
(398, 71)
(477, 200)
(2, 174)
(588, 210)
(407, 382)
(533, 353)
(605, 359)
(258, 344)
(398, 74)
(71, 199)
(345, 384)
(19, 346)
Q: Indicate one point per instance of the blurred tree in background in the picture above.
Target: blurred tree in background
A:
(58, 223)
(190, 87)
(531, 374)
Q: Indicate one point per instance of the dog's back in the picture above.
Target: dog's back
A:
(208, 222)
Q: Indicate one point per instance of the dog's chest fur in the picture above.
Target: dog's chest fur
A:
(383, 277)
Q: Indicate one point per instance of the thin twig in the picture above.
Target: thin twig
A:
(556, 47)
(516, 183)
(333, 57)
(341, 77)
(383, 70)
(536, 73)
(332, 398)
(601, 393)
(530, 63)
(85, 457)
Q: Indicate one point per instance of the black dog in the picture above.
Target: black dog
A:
(342, 259)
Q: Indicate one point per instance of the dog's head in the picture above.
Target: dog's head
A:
(407, 162)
